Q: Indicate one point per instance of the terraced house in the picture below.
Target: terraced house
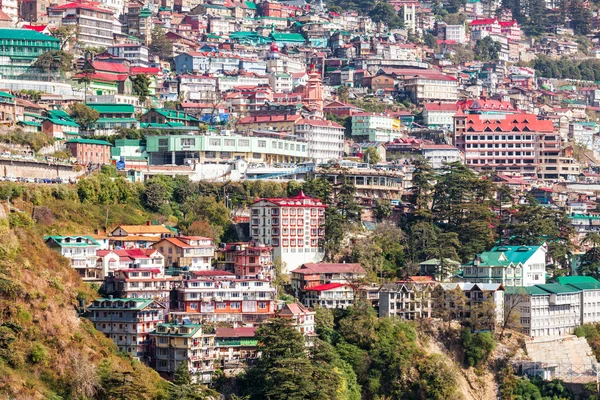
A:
(191, 344)
(127, 322)
(509, 266)
(19, 48)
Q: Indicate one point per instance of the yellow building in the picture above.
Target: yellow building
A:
(176, 343)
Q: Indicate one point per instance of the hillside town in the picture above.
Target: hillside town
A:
(219, 175)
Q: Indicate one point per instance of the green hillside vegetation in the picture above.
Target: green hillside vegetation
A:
(46, 351)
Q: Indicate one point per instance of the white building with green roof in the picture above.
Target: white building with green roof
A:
(81, 253)
(557, 308)
(509, 266)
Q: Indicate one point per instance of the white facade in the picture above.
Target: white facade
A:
(456, 33)
(293, 227)
(10, 8)
(285, 64)
(325, 139)
(137, 54)
(332, 295)
(430, 88)
(230, 82)
(281, 83)
(95, 26)
(375, 127)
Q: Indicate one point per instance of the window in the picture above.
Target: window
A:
(163, 142)
(194, 306)
(221, 306)
(234, 305)
(163, 340)
(225, 154)
(230, 142)
(214, 142)
(262, 304)
(262, 144)
(188, 142)
(244, 143)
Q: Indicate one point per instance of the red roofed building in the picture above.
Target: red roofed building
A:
(329, 295)
(227, 299)
(292, 226)
(237, 347)
(506, 142)
(439, 115)
(194, 252)
(95, 24)
(314, 274)
(112, 260)
(141, 283)
(302, 318)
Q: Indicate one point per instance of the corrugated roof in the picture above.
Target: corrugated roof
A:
(557, 288)
(576, 280)
(103, 108)
(90, 141)
(26, 34)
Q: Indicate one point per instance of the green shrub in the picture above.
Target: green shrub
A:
(478, 347)
(20, 220)
(23, 315)
(38, 354)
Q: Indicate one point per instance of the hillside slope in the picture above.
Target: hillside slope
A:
(46, 351)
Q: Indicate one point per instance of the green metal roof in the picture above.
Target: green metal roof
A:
(250, 5)
(144, 303)
(90, 141)
(529, 290)
(25, 34)
(112, 108)
(64, 122)
(6, 95)
(108, 120)
(435, 261)
(288, 37)
(575, 280)
(581, 216)
(61, 240)
(557, 288)
(29, 123)
(172, 114)
(516, 254)
(194, 329)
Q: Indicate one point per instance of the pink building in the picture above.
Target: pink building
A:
(510, 29)
(503, 142)
(90, 151)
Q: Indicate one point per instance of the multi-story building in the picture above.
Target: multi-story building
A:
(292, 226)
(89, 151)
(127, 322)
(245, 259)
(236, 347)
(199, 88)
(439, 115)
(373, 127)
(475, 294)
(141, 283)
(427, 86)
(557, 308)
(19, 48)
(315, 274)
(325, 139)
(455, 33)
(270, 147)
(194, 252)
(81, 253)
(135, 53)
(502, 142)
(509, 266)
(216, 296)
(112, 260)
(95, 25)
(329, 295)
(191, 344)
(408, 300)
(138, 236)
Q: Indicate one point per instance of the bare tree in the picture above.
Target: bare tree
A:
(512, 315)
(84, 378)
(448, 305)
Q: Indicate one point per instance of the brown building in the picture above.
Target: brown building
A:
(380, 82)
(90, 151)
